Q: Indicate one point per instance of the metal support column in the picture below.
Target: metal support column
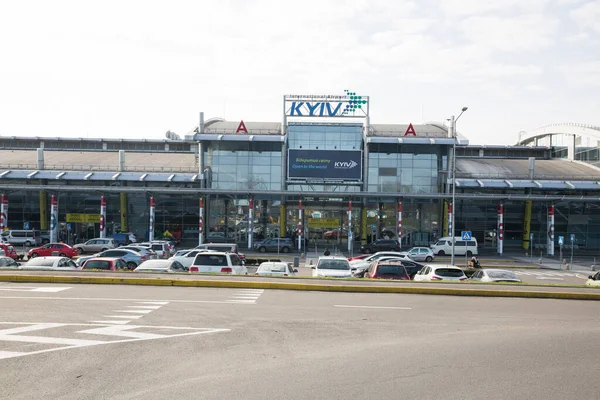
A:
(550, 236)
(400, 223)
(201, 221)
(500, 237)
(123, 202)
(527, 226)
(300, 225)
(54, 219)
(102, 217)
(152, 217)
(251, 222)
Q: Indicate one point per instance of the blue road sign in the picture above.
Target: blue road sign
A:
(530, 237)
(26, 225)
(561, 240)
(466, 235)
(572, 237)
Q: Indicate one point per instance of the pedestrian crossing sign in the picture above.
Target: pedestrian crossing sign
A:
(466, 235)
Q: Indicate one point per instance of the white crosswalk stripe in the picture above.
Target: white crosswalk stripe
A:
(62, 336)
(547, 274)
(245, 296)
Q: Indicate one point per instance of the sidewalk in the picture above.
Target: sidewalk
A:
(555, 264)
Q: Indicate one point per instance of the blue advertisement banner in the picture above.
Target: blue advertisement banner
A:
(325, 164)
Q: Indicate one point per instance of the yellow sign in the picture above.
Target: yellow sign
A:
(79, 218)
(323, 222)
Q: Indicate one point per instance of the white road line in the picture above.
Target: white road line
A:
(49, 289)
(550, 278)
(251, 290)
(382, 307)
(135, 311)
(11, 354)
(120, 322)
(30, 327)
(49, 340)
(244, 297)
(241, 301)
(146, 307)
(45, 289)
(110, 299)
(158, 303)
(124, 316)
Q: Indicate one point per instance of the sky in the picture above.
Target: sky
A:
(135, 69)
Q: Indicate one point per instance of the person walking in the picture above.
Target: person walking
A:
(326, 253)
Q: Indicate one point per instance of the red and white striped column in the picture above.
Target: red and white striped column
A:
(400, 223)
(500, 237)
(250, 222)
(3, 212)
(450, 221)
(350, 235)
(152, 217)
(54, 219)
(201, 221)
(300, 227)
(550, 242)
(102, 217)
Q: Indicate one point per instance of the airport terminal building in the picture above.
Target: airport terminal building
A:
(325, 173)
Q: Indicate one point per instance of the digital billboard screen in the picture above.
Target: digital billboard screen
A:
(325, 164)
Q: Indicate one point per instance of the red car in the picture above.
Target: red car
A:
(387, 270)
(360, 257)
(105, 264)
(9, 251)
(61, 249)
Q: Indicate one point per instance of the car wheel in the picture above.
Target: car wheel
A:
(285, 250)
(367, 251)
(79, 250)
(441, 253)
(62, 255)
(262, 249)
(429, 259)
(469, 253)
(28, 243)
(33, 255)
(104, 249)
(131, 265)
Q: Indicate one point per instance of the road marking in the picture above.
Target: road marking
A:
(135, 311)
(382, 307)
(550, 278)
(43, 289)
(158, 303)
(111, 299)
(94, 329)
(121, 322)
(146, 307)
(245, 296)
(124, 316)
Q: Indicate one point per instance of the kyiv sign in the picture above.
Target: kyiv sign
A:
(349, 105)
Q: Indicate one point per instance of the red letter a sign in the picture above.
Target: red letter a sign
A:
(410, 130)
(241, 127)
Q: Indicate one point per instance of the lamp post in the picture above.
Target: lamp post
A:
(455, 137)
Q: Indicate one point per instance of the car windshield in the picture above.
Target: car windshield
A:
(210, 259)
(181, 253)
(449, 272)
(502, 275)
(334, 264)
(97, 264)
(162, 264)
(391, 270)
(279, 267)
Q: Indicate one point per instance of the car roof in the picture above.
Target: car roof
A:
(225, 253)
(103, 258)
(333, 258)
(437, 266)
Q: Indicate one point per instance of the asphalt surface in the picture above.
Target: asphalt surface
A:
(130, 342)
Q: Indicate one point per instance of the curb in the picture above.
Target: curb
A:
(299, 286)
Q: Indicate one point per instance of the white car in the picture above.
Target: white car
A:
(593, 280)
(271, 268)
(186, 257)
(218, 262)
(440, 273)
(50, 264)
(161, 266)
(332, 267)
(420, 254)
(363, 264)
(494, 275)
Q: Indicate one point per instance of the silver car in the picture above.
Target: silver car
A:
(96, 245)
(420, 254)
(50, 264)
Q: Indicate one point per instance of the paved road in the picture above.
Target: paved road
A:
(124, 342)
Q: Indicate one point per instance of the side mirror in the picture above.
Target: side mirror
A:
(295, 271)
(590, 277)
(313, 267)
(352, 269)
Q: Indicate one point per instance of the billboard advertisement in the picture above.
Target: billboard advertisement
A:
(325, 164)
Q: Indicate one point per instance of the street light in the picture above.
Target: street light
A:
(455, 137)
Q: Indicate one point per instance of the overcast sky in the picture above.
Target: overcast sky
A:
(135, 69)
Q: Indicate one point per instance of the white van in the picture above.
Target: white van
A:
(461, 247)
(21, 236)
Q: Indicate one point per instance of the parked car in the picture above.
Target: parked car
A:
(284, 245)
(362, 264)
(412, 267)
(131, 258)
(218, 262)
(495, 275)
(96, 245)
(380, 245)
(272, 268)
(50, 249)
(360, 257)
(45, 237)
(27, 237)
(9, 251)
(420, 254)
(160, 248)
(105, 264)
(593, 280)
(123, 238)
(231, 247)
(143, 250)
(335, 234)
(440, 273)
(461, 247)
(389, 269)
(161, 266)
(332, 267)
(186, 257)
(8, 263)
(50, 264)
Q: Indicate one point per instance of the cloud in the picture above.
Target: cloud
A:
(587, 16)
(583, 73)
(455, 8)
